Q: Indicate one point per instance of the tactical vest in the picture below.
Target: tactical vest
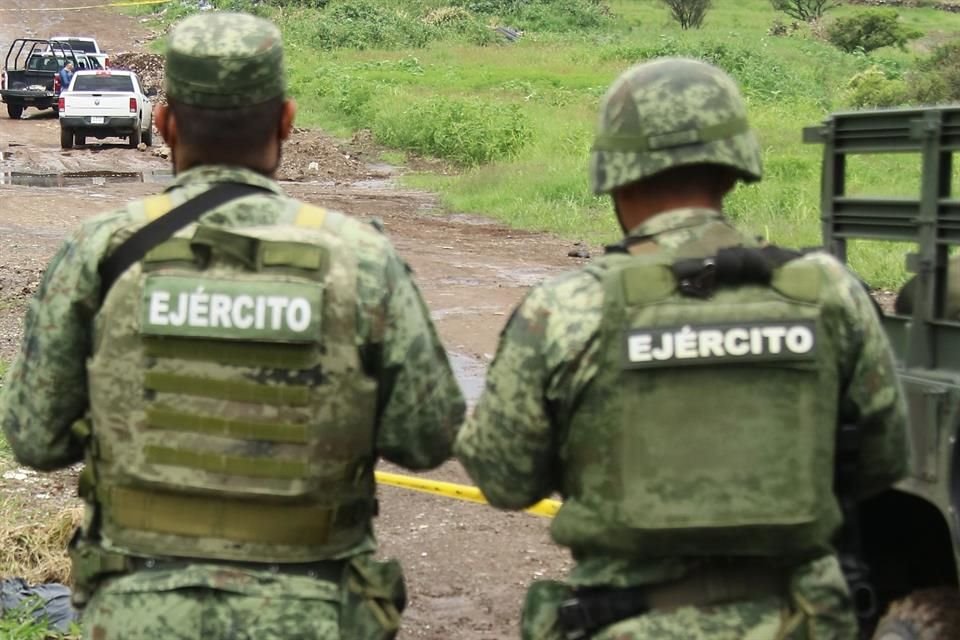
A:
(709, 428)
(231, 416)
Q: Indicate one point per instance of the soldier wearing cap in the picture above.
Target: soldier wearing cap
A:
(684, 393)
(230, 363)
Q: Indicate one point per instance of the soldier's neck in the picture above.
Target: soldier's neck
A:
(635, 209)
(263, 163)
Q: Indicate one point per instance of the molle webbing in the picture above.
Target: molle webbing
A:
(173, 420)
(277, 354)
(241, 521)
(286, 395)
(284, 469)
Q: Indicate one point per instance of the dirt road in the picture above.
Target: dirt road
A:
(467, 565)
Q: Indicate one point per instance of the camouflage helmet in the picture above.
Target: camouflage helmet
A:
(668, 113)
(221, 60)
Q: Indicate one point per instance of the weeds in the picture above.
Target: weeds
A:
(469, 131)
(20, 624)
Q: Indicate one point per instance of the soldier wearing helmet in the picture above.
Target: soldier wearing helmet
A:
(230, 363)
(683, 394)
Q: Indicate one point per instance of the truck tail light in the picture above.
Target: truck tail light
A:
(56, 84)
(61, 104)
(133, 105)
(106, 63)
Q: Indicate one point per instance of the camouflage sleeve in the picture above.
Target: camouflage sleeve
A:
(507, 446)
(546, 357)
(421, 403)
(46, 388)
(872, 390)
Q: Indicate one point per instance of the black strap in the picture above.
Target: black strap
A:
(156, 231)
(730, 267)
(592, 609)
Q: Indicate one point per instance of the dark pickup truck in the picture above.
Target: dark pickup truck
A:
(30, 74)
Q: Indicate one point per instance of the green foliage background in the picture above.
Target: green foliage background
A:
(515, 119)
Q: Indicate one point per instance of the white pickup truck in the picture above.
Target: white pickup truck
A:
(98, 104)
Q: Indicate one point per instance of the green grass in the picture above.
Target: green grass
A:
(18, 624)
(518, 118)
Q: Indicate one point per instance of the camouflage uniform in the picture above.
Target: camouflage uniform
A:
(517, 445)
(202, 591)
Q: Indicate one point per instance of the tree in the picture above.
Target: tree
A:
(689, 13)
(870, 30)
(805, 10)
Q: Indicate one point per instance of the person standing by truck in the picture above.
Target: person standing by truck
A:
(66, 75)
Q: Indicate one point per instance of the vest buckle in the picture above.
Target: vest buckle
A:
(696, 278)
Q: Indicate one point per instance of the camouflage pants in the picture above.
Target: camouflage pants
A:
(819, 608)
(217, 603)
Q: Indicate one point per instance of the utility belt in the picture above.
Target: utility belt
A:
(92, 563)
(593, 608)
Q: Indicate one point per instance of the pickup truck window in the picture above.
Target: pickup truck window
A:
(81, 45)
(103, 83)
(43, 63)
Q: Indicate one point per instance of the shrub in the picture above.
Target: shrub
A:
(872, 88)
(363, 24)
(542, 15)
(780, 28)
(468, 131)
(688, 13)
(759, 75)
(805, 10)
(869, 30)
(937, 78)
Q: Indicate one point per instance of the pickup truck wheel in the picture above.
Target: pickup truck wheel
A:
(148, 134)
(79, 140)
(134, 141)
(66, 138)
(15, 111)
(930, 614)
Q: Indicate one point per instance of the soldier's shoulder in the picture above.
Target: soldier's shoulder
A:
(575, 289)
(564, 308)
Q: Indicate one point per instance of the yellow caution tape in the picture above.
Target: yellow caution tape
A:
(545, 508)
(92, 6)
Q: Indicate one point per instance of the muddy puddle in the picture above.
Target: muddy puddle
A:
(471, 374)
(82, 178)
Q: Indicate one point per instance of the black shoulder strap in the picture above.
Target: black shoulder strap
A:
(153, 233)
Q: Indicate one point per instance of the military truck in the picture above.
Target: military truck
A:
(911, 534)
(30, 74)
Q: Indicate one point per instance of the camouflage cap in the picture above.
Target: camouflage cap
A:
(669, 113)
(221, 60)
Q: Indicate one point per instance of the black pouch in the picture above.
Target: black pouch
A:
(373, 595)
(539, 619)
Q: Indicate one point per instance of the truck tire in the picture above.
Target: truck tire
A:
(15, 111)
(134, 140)
(79, 140)
(148, 134)
(66, 138)
(930, 614)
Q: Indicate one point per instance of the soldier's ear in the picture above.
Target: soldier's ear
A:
(166, 125)
(286, 118)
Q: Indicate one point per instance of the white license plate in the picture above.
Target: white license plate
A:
(96, 119)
